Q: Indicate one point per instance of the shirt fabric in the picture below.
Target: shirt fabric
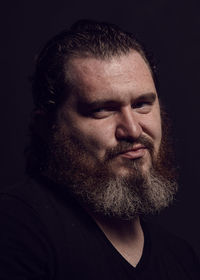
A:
(45, 234)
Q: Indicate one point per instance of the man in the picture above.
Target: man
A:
(99, 161)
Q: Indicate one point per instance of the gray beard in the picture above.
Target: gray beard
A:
(98, 189)
(123, 197)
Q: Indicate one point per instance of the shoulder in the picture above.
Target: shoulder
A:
(23, 237)
(171, 248)
(35, 197)
(24, 206)
(20, 199)
(164, 238)
(30, 207)
(32, 201)
(45, 207)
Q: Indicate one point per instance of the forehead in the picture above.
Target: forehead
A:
(118, 76)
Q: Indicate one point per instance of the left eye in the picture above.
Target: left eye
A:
(140, 104)
(143, 106)
(97, 110)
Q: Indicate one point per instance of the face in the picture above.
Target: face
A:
(106, 147)
(113, 106)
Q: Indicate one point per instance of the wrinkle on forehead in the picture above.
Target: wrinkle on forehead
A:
(90, 74)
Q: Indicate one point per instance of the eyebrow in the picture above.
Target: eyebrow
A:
(150, 97)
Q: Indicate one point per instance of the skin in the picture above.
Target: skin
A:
(114, 100)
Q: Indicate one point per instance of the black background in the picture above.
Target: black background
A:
(171, 29)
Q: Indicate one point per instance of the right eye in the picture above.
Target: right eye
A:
(102, 112)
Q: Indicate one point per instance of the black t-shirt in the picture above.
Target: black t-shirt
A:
(45, 234)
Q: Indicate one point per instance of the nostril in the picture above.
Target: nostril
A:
(128, 133)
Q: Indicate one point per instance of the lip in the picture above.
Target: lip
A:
(134, 153)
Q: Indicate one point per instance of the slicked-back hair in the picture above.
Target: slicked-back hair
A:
(85, 38)
(50, 85)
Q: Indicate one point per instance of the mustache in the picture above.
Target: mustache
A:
(124, 146)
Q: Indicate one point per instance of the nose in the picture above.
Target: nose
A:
(128, 126)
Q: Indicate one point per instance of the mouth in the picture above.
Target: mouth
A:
(137, 151)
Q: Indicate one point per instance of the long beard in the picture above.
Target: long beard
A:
(94, 185)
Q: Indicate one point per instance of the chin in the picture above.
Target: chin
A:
(126, 171)
(123, 172)
(146, 167)
(122, 166)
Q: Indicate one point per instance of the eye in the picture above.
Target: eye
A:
(142, 106)
(98, 110)
(101, 112)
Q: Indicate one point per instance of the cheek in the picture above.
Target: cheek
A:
(158, 137)
(96, 136)
(152, 127)
(157, 131)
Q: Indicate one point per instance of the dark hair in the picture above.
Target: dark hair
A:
(84, 38)
(50, 86)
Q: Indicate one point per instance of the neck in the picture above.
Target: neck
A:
(122, 230)
(126, 236)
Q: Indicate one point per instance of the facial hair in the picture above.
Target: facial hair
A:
(93, 183)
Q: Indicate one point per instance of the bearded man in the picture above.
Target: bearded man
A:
(99, 161)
